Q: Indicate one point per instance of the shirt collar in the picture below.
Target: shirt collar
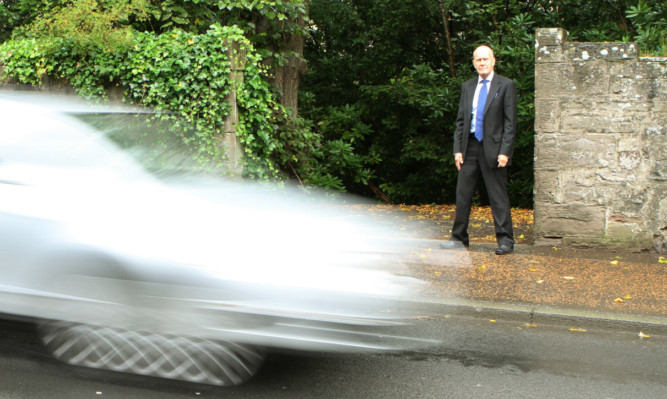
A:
(488, 78)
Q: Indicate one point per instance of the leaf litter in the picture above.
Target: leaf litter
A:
(566, 277)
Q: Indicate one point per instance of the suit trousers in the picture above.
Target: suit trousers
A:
(495, 181)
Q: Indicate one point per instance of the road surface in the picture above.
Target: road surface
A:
(476, 359)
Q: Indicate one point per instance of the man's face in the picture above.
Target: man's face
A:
(484, 61)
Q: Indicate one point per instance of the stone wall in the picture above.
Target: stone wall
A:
(600, 144)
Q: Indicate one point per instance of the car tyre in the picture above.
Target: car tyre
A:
(191, 359)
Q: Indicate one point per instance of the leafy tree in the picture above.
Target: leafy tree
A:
(650, 27)
(90, 25)
(367, 66)
(17, 13)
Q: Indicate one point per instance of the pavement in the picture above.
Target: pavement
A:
(579, 288)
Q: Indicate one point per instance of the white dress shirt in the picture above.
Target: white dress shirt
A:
(475, 99)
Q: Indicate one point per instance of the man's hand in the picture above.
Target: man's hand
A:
(502, 160)
(458, 159)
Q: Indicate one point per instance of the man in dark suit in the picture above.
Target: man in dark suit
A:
(483, 144)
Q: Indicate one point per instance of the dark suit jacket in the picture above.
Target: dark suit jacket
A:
(500, 115)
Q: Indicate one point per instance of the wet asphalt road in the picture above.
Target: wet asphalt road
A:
(476, 359)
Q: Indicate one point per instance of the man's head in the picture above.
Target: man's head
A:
(484, 61)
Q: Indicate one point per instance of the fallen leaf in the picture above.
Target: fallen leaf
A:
(492, 321)
(483, 267)
(437, 273)
(619, 300)
(627, 297)
(422, 255)
(578, 329)
(522, 236)
(614, 262)
(531, 325)
(569, 278)
(662, 260)
(539, 281)
(533, 270)
(642, 335)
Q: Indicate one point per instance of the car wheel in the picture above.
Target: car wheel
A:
(146, 353)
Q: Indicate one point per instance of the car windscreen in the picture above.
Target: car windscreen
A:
(32, 136)
(162, 144)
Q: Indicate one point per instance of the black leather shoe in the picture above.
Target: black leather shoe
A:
(453, 244)
(504, 250)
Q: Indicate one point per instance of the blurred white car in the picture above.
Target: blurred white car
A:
(187, 278)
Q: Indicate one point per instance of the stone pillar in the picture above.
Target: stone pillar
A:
(600, 144)
(233, 149)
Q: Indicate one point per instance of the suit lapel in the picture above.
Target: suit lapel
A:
(471, 94)
(493, 90)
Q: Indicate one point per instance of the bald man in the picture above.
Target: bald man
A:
(483, 145)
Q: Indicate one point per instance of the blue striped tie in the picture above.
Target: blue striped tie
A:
(479, 121)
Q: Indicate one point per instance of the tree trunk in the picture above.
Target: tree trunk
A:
(383, 197)
(448, 37)
(287, 75)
